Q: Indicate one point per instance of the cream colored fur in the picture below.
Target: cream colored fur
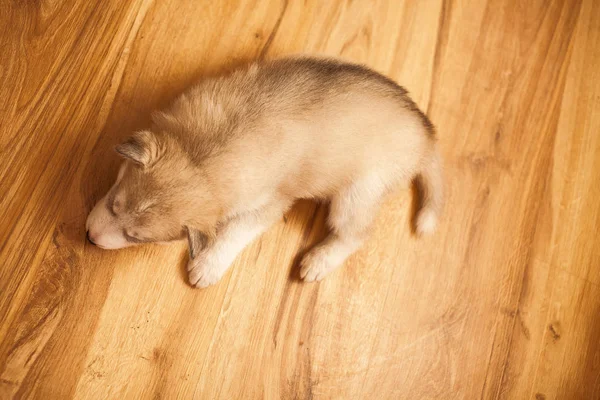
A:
(233, 153)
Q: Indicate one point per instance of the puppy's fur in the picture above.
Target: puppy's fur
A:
(232, 154)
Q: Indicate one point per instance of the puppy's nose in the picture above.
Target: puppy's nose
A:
(89, 237)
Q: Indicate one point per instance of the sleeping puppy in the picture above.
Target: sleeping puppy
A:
(233, 153)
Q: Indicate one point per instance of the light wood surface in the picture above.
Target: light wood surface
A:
(502, 302)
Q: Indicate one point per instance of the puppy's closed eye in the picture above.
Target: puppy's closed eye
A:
(116, 207)
(131, 237)
(114, 204)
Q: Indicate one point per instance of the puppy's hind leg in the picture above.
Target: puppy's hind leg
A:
(351, 214)
(211, 263)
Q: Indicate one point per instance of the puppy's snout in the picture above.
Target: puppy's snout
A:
(92, 237)
(89, 237)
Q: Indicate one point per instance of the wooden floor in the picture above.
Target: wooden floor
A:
(502, 302)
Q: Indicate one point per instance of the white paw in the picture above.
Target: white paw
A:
(204, 273)
(315, 265)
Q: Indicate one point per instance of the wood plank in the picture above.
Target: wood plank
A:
(501, 303)
(555, 341)
(53, 104)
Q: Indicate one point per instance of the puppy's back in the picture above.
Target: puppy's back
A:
(302, 126)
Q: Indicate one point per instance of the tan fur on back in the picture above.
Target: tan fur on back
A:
(298, 128)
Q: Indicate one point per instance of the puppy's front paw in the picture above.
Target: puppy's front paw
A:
(203, 272)
(315, 265)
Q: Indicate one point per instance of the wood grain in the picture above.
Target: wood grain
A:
(502, 302)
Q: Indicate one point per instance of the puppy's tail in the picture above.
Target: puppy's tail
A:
(431, 185)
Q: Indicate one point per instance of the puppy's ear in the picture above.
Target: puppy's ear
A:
(196, 241)
(142, 148)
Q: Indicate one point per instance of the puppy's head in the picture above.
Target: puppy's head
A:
(151, 199)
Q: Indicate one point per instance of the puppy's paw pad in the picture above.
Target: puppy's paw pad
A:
(314, 266)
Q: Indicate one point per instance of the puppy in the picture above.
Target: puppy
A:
(232, 154)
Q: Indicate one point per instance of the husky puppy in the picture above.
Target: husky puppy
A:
(231, 155)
